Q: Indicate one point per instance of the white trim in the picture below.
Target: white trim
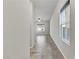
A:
(67, 42)
(59, 48)
(62, 53)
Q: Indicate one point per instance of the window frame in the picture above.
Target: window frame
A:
(63, 24)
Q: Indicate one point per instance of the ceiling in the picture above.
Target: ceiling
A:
(44, 7)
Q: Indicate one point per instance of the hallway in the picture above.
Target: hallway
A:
(45, 49)
(39, 29)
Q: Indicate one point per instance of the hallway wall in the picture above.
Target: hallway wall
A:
(45, 19)
(67, 51)
(17, 19)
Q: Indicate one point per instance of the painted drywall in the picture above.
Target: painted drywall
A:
(45, 19)
(17, 19)
(42, 14)
(47, 27)
(45, 6)
(67, 51)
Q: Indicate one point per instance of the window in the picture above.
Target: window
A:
(64, 23)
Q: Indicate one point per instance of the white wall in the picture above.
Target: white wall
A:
(67, 51)
(45, 19)
(43, 14)
(17, 19)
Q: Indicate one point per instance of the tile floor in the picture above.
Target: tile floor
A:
(45, 49)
